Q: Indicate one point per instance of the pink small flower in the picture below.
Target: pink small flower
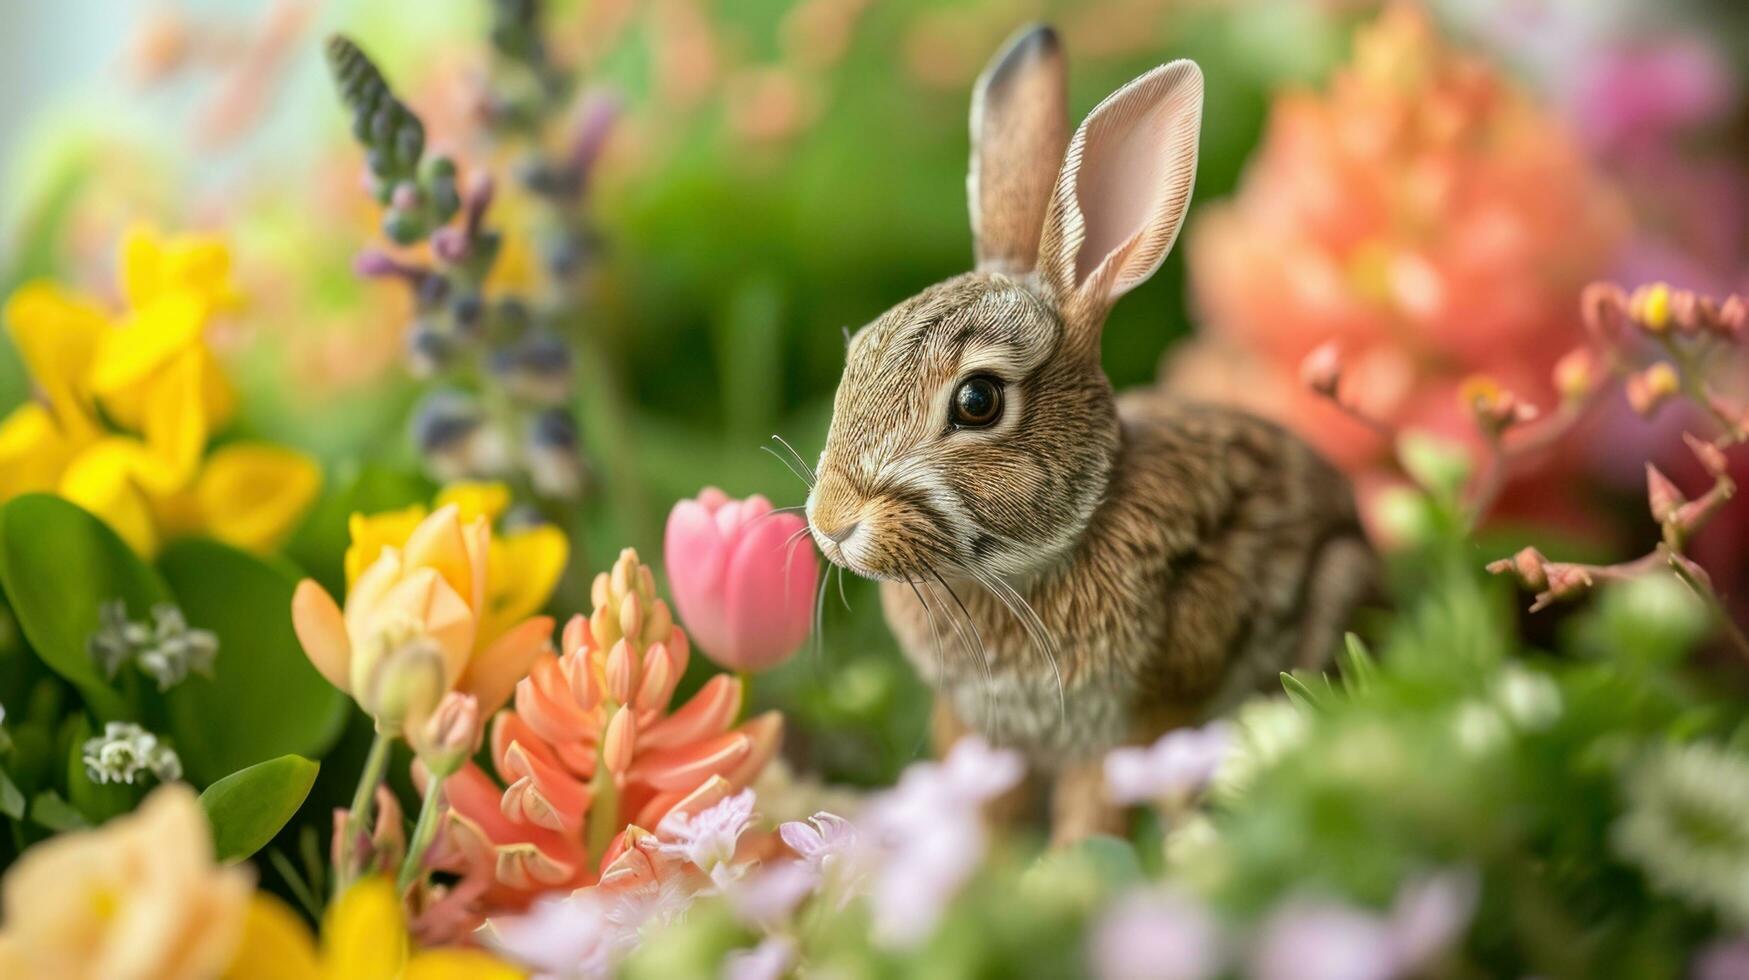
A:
(1157, 935)
(770, 960)
(1174, 768)
(1725, 959)
(743, 578)
(770, 895)
(1316, 940)
(570, 936)
(823, 843)
(709, 837)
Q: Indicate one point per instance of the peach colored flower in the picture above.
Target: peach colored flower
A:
(592, 748)
(1423, 213)
(743, 578)
(140, 898)
(411, 630)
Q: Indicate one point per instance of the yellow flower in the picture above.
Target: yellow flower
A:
(152, 374)
(364, 937)
(421, 618)
(522, 566)
(140, 897)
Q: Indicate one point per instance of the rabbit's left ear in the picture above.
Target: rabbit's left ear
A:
(1020, 125)
(1121, 196)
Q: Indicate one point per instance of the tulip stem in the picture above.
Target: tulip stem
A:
(358, 818)
(413, 866)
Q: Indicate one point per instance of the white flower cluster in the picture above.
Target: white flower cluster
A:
(125, 751)
(166, 649)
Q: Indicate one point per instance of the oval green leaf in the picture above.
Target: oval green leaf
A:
(264, 699)
(58, 565)
(247, 808)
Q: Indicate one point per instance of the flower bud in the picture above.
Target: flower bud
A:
(1566, 580)
(1527, 565)
(451, 735)
(1648, 389)
(397, 679)
(1493, 408)
(1576, 374)
(1733, 317)
(1321, 371)
(1650, 307)
(1603, 306)
(1711, 457)
(1662, 495)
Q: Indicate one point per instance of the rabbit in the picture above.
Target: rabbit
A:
(1068, 569)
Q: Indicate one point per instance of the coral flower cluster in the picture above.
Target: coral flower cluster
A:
(1422, 213)
(592, 747)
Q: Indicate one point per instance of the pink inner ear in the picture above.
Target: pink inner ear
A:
(1138, 166)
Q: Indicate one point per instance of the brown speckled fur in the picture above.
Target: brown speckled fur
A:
(1177, 555)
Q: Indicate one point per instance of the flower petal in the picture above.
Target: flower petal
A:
(321, 628)
(491, 676)
(364, 935)
(251, 495)
(276, 945)
(709, 712)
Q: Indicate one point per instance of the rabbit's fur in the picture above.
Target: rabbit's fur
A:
(1176, 555)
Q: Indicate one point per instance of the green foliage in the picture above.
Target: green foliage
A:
(58, 565)
(264, 699)
(247, 808)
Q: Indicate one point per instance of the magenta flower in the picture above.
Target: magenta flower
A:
(743, 578)
(1157, 935)
(1173, 769)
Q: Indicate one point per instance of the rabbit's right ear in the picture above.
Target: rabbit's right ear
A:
(1122, 194)
(1020, 127)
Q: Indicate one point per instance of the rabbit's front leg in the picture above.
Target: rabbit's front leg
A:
(1011, 808)
(1080, 805)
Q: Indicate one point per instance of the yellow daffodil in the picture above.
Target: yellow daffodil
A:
(129, 403)
(522, 565)
(364, 937)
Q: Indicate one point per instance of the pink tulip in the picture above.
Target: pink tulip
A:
(743, 578)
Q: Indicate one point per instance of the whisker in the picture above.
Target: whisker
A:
(934, 635)
(983, 651)
(798, 457)
(841, 597)
(820, 619)
(789, 466)
(1034, 626)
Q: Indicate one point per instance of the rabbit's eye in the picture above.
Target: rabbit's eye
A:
(977, 402)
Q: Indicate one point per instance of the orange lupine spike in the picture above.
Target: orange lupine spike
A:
(564, 792)
(622, 672)
(709, 712)
(659, 679)
(524, 867)
(688, 765)
(621, 740)
(576, 630)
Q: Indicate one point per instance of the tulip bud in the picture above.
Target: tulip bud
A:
(1321, 371)
(1662, 495)
(451, 735)
(744, 593)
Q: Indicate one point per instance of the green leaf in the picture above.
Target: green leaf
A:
(1359, 670)
(264, 699)
(1299, 693)
(11, 799)
(49, 810)
(247, 808)
(58, 565)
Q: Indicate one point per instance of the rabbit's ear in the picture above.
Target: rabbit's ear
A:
(1123, 191)
(1020, 125)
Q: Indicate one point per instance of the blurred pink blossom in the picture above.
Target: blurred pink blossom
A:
(1157, 935)
(709, 837)
(1632, 95)
(770, 960)
(742, 577)
(1316, 939)
(1175, 767)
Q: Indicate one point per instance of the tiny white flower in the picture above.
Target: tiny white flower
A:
(125, 751)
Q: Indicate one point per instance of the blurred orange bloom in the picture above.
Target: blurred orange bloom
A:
(1423, 214)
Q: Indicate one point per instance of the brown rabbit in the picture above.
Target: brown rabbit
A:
(1068, 569)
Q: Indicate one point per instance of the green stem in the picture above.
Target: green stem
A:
(358, 818)
(603, 820)
(413, 866)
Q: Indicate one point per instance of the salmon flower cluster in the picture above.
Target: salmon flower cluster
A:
(592, 756)
(1424, 215)
(437, 602)
(128, 400)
